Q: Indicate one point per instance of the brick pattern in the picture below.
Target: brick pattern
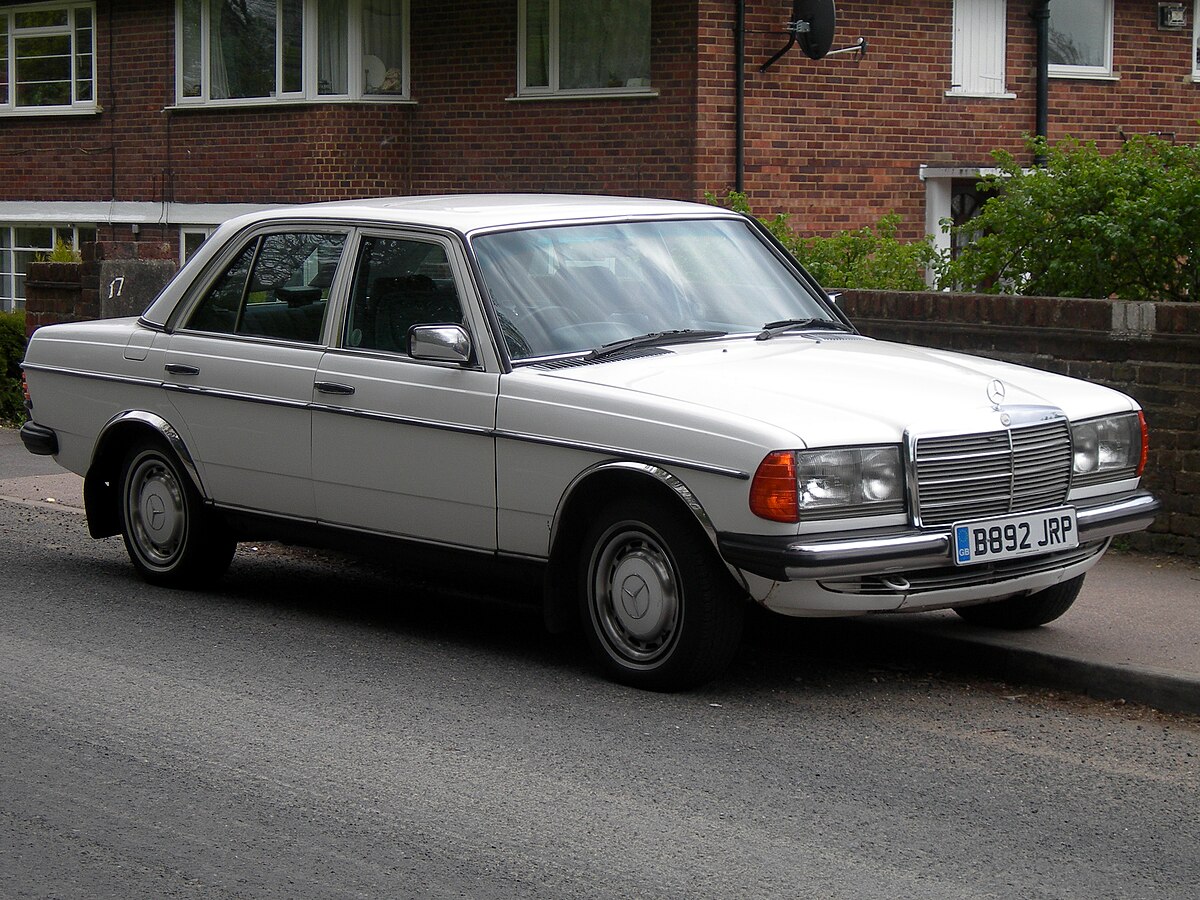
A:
(1159, 367)
(836, 143)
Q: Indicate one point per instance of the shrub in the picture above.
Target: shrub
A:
(12, 351)
(871, 258)
(1126, 225)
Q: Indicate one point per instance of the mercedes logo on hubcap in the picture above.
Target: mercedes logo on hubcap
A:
(635, 596)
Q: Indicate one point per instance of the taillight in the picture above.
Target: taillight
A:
(25, 391)
(773, 491)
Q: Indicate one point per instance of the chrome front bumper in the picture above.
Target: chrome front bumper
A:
(792, 557)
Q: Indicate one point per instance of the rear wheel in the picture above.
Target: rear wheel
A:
(1030, 611)
(659, 609)
(171, 538)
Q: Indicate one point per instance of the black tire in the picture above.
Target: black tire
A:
(171, 538)
(1030, 611)
(680, 621)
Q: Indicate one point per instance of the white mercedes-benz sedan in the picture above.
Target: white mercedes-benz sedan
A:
(646, 405)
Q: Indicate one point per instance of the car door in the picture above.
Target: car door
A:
(240, 370)
(404, 446)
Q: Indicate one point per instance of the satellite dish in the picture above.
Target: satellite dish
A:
(821, 19)
(812, 27)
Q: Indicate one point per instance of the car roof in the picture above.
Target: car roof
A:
(473, 212)
(465, 213)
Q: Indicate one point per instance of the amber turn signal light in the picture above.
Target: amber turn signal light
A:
(773, 491)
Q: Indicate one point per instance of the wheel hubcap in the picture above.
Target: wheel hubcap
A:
(157, 515)
(635, 595)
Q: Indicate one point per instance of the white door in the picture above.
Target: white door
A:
(401, 446)
(241, 369)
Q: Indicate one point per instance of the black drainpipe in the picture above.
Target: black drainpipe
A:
(1041, 18)
(739, 128)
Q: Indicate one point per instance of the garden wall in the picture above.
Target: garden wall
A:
(1149, 350)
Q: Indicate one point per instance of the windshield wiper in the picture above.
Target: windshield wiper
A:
(773, 328)
(653, 339)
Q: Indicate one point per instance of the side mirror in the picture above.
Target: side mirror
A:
(440, 343)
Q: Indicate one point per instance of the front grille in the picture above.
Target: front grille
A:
(994, 473)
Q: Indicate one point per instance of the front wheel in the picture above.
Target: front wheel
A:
(171, 538)
(1030, 611)
(659, 609)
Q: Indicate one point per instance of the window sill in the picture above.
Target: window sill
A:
(1066, 75)
(271, 103)
(980, 95)
(28, 112)
(640, 94)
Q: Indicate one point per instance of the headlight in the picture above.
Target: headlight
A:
(1108, 449)
(856, 481)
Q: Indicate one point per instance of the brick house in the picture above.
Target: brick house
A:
(153, 120)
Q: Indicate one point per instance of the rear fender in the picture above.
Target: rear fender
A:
(100, 485)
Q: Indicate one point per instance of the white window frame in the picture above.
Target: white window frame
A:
(187, 231)
(356, 87)
(1196, 41)
(8, 18)
(10, 298)
(973, 43)
(1103, 71)
(526, 91)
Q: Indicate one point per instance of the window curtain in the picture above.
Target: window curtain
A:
(604, 44)
(333, 23)
(218, 89)
(383, 47)
(537, 43)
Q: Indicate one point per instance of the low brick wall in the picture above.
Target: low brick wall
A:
(1148, 350)
(115, 278)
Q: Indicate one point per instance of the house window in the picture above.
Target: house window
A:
(190, 240)
(48, 58)
(1196, 42)
(233, 52)
(584, 47)
(979, 38)
(22, 244)
(1081, 38)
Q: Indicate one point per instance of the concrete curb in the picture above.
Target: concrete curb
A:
(996, 656)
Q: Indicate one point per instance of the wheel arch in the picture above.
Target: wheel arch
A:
(100, 488)
(590, 488)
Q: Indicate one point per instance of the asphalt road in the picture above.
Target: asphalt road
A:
(322, 726)
(315, 728)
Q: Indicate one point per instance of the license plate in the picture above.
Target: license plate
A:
(1009, 537)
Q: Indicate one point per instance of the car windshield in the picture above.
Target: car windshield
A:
(569, 289)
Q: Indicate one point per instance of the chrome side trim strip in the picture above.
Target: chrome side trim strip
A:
(355, 413)
(94, 376)
(234, 395)
(625, 454)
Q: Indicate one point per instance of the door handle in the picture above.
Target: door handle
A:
(179, 369)
(332, 387)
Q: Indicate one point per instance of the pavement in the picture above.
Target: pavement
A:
(1133, 634)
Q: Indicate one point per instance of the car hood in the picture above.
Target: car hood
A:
(838, 389)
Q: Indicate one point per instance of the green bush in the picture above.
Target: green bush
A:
(871, 258)
(12, 351)
(1126, 225)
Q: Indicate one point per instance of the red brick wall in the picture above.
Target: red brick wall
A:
(836, 143)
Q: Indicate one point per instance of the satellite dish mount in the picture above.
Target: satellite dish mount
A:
(812, 27)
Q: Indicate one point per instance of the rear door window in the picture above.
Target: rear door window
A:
(276, 287)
